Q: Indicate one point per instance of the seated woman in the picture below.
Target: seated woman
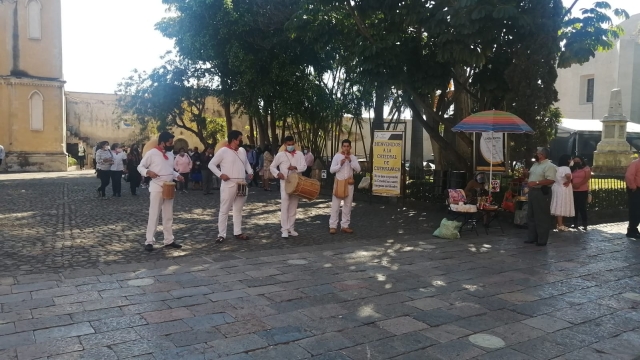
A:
(476, 188)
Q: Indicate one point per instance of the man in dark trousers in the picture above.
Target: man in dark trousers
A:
(632, 178)
(542, 175)
(207, 174)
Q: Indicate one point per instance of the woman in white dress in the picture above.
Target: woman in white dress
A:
(562, 193)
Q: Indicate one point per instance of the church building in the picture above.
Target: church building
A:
(32, 114)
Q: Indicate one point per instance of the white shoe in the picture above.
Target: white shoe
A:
(293, 232)
(285, 234)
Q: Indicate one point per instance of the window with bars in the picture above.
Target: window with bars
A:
(590, 90)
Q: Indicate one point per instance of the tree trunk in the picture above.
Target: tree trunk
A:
(262, 122)
(274, 127)
(252, 136)
(284, 129)
(378, 108)
(227, 115)
(416, 168)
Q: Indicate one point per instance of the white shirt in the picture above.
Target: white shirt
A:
(345, 171)
(118, 161)
(232, 163)
(154, 160)
(284, 160)
(1, 152)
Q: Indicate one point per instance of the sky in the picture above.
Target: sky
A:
(102, 41)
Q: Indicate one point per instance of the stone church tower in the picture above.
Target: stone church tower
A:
(32, 114)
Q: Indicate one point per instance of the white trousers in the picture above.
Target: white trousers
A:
(157, 204)
(346, 210)
(228, 201)
(288, 208)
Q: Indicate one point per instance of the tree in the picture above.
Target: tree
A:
(173, 95)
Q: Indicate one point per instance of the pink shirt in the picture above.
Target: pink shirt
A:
(578, 176)
(182, 164)
(632, 177)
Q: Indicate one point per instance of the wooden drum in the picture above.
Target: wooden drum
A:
(301, 186)
(168, 190)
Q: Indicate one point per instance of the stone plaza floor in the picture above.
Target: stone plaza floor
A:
(75, 283)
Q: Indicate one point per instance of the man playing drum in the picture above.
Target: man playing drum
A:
(158, 165)
(288, 161)
(234, 166)
(343, 165)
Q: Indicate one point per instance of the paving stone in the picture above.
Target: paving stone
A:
(540, 348)
(55, 292)
(325, 343)
(208, 321)
(50, 348)
(445, 333)
(547, 323)
(319, 290)
(624, 346)
(249, 301)
(365, 315)
(255, 312)
(456, 349)
(143, 308)
(140, 347)
(283, 334)
(581, 313)
(210, 308)
(65, 331)
(76, 298)
(365, 334)
(242, 327)
(288, 351)
(99, 286)
(390, 347)
(518, 297)
(332, 356)
(505, 354)
(540, 307)
(121, 292)
(43, 323)
(358, 294)
(516, 333)
(97, 315)
(427, 303)
(238, 344)
(34, 287)
(147, 298)
(187, 301)
(105, 303)
(286, 295)
(289, 306)
(322, 326)
(15, 316)
(588, 353)
(193, 337)
(57, 310)
(123, 322)
(166, 315)
(36, 278)
(26, 305)
(436, 317)
(15, 298)
(402, 325)
(17, 339)
(571, 340)
(227, 295)
(152, 330)
(6, 329)
(325, 311)
(263, 273)
(263, 290)
(285, 319)
(192, 291)
(91, 354)
(160, 287)
(108, 338)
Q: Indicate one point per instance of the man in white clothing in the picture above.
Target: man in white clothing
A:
(234, 167)
(157, 164)
(288, 161)
(343, 165)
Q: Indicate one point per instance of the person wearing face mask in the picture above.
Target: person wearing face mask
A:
(157, 164)
(117, 168)
(562, 193)
(580, 176)
(230, 164)
(183, 165)
(343, 165)
(104, 160)
(308, 159)
(288, 161)
(541, 176)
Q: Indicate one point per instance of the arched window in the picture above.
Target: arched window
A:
(36, 111)
(34, 10)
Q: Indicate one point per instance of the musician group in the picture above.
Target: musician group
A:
(231, 165)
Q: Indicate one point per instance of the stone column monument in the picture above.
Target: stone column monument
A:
(613, 154)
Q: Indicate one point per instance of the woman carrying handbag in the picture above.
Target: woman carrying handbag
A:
(343, 166)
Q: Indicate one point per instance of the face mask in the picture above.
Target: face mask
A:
(536, 158)
(305, 152)
(291, 148)
(571, 164)
(168, 148)
(480, 180)
(106, 147)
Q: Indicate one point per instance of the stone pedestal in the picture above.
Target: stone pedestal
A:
(35, 162)
(613, 154)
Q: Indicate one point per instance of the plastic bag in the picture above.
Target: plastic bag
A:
(365, 183)
(448, 229)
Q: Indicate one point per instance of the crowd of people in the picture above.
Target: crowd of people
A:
(230, 170)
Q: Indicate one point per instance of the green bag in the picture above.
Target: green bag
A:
(449, 229)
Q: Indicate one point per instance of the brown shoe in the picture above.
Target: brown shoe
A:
(332, 231)
(347, 230)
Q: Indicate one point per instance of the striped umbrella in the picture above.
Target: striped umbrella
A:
(493, 121)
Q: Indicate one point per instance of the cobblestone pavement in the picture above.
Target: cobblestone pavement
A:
(392, 291)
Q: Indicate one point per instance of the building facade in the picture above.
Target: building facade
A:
(32, 114)
(584, 90)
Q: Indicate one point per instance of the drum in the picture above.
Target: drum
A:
(242, 189)
(168, 190)
(301, 186)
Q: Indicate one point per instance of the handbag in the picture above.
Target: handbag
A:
(341, 188)
(350, 180)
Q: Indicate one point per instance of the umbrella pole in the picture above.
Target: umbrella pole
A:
(474, 154)
(491, 167)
